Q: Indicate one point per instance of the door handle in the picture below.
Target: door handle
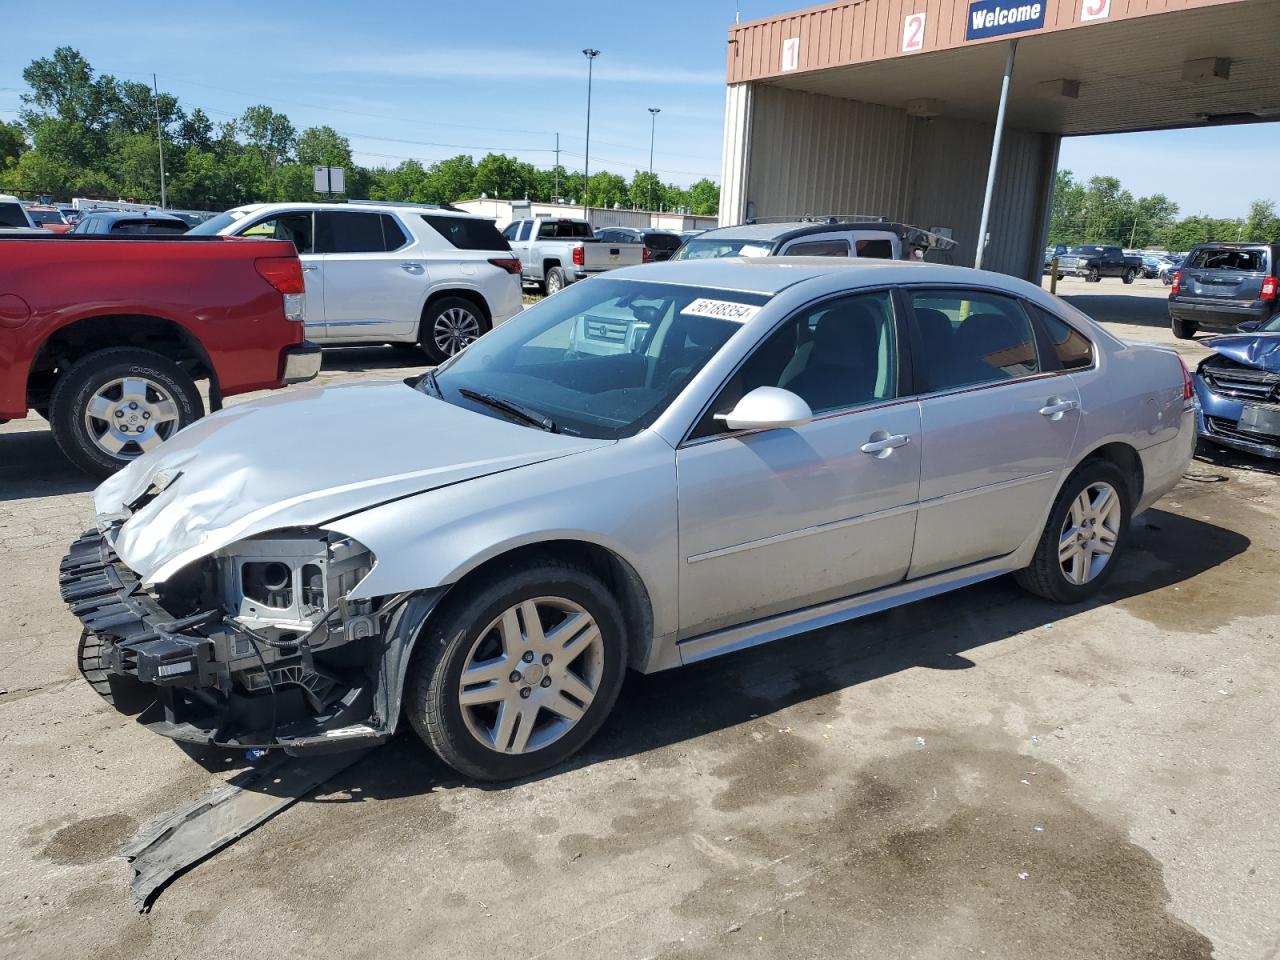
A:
(410, 266)
(1056, 407)
(882, 444)
(310, 269)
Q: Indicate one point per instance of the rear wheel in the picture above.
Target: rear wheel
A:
(516, 675)
(449, 326)
(555, 280)
(114, 405)
(1087, 527)
(1130, 275)
(1184, 329)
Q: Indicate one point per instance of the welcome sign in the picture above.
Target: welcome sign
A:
(994, 18)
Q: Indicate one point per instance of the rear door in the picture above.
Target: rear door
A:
(1214, 274)
(998, 426)
(374, 281)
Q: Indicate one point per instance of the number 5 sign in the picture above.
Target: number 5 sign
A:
(1095, 9)
(913, 30)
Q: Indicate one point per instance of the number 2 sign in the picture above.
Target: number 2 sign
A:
(913, 30)
(1095, 9)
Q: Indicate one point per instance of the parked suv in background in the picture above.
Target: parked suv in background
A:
(818, 237)
(1223, 284)
(117, 223)
(658, 244)
(390, 273)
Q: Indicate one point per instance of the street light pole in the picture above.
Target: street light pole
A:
(591, 55)
(653, 128)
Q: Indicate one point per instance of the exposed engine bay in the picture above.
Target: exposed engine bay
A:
(255, 645)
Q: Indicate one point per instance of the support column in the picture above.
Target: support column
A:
(995, 154)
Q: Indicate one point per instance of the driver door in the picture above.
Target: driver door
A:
(774, 520)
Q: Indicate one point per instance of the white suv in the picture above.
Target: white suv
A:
(390, 273)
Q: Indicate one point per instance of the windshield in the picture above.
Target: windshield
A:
(602, 358)
(708, 248)
(214, 226)
(1272, 325)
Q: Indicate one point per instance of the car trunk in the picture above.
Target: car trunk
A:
(1225, 275)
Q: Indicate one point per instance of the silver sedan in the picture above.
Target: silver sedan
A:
(645, 470)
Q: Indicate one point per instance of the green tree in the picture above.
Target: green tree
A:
(452, 179)
(408, 182)
(498, 175)
(647, 191)
(1262, 225)
(607, 190)
(13, 142)
(324, 147)
(270, 133)
(704, 197)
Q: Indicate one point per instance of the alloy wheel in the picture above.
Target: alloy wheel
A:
(128, 416)
(454, 329)
(1090, 532)
(531, 675)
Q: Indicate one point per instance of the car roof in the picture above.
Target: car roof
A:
(372, 207)
(770, 275)
(117, 215)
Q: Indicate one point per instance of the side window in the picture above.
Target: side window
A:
(1072, 348)
(285, 226)
(819, 248)
(880, 249)
(509, 231)
(349, 233)
(11, 215)
(971, 337)
(838, 354)
(393, 235)
(525, 229)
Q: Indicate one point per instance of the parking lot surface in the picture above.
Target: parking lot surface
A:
(979, 774)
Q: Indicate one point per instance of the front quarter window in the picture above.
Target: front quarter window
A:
(603, 358)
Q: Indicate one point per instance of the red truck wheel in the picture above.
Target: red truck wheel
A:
(114, 405)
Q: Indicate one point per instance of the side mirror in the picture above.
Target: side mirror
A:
(767, 408)
(1249, 326)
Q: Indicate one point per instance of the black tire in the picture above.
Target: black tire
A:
(1044, 576)
(1095, 275)
(449, 325)
(556, 281)
(1060, 277)
(1130, 275)
(1183, 329)
(75, 389)
(433, 698)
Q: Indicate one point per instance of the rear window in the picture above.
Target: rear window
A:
(12, 215)
(1215, 258)
(661, 241)
(46, 216)
(564, 229)
(467, 234)
(876, 249)
(143, 226)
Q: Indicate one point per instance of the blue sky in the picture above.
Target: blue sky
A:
(429, 79)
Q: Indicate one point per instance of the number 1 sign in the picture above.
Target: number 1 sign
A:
(913, 31)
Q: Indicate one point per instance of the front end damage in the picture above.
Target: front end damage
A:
(256, 645)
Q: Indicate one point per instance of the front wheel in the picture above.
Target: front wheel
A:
(518, 673)
(114, 405)
(1130, 275)
(1095, 275)
(449, 326)
(1184, 329)
(1087, 527)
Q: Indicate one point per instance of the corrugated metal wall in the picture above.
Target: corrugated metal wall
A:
(733, 156)
(814, 155)
(810, 155)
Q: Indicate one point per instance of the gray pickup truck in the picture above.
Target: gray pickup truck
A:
(556, 251)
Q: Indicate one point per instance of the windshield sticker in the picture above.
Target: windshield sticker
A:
(721, 310)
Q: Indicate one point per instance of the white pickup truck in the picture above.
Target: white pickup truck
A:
(556, 251)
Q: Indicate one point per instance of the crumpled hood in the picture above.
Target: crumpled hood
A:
(1261, 350)
(302, 458)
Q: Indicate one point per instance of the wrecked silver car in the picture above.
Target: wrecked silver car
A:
(644, 470)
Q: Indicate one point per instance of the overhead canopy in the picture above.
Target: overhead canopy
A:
(1151, 64)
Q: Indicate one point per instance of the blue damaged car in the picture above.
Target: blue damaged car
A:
(1238, 387)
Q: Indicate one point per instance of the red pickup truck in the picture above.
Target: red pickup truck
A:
(106, 337)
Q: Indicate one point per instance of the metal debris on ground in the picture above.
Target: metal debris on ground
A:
(919, 741)
(183, 837)
(1023, 875)
(1038, 828)
(1205, 477)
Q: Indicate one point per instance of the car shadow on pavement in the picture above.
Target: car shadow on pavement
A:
(1138, 311)
(677, 706)
(32, 466)
(372, 359)
(1209, 454)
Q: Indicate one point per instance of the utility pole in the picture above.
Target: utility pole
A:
(591, 55)
(555, 194)
(653, 127)
(159, 140)
(995, 154)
